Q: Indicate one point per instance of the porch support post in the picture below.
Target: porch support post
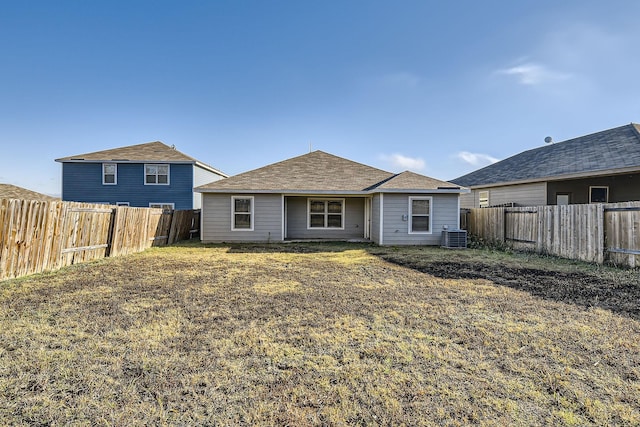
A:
(284, 218)
(381, 240)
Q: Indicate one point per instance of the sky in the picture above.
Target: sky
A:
(439, 88)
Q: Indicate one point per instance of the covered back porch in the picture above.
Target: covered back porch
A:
(327, 217)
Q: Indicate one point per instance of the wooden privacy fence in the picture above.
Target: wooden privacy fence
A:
(592, 232)
(38, 236)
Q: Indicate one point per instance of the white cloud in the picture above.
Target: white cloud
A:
(476, 159)
(533, 74)
(399, 161)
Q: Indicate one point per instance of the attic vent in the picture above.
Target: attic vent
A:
(454, 238)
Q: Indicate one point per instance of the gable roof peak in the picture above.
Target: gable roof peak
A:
(318, 172)
(409, 180)
(315, 171)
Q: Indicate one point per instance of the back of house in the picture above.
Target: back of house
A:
(320, 196)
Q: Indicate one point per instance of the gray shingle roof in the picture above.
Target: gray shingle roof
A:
(609, 150)
(148, 152)
(410, 180)
(320, 172)
(9, 191)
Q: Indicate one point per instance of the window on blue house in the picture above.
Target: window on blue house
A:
(156, 174)
(109, 173)
(164, 206)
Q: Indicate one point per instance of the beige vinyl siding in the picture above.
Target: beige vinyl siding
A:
(522, 195)
(375, 218)
(297, 219)
(201, 176)
(469, 200)
(444, 211)
(216, 219)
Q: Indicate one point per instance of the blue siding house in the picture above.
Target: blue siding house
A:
(143, 175)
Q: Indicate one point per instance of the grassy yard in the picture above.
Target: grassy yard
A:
(321, 334)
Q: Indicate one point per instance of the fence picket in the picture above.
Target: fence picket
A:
(591, 232)
(38, 236)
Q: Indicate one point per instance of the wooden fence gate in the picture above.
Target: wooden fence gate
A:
(588, 232)
(521, 228)
(622, 231)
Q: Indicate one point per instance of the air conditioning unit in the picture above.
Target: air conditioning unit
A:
(454, 238)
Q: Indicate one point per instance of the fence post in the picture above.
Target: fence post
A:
(504, 225)
(601, 237)
(112, 222)
(172, 232)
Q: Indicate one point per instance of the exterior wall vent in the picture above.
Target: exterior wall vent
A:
(454, 238)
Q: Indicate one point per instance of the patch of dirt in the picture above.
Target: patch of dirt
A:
(578, 288)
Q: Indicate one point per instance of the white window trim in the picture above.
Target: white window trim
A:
(173, 205)
(233, 213)
(122, 204)
(115, 175)
(480, 197)
(322, 199)
(410, 222)
(144, 171)
(591, 187)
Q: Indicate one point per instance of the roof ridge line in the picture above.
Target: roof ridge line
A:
(376, 185)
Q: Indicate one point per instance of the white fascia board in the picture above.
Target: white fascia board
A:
(211, 169)
(424, 191)
(286, 192)
(577, 175)
(173, 162)
(334, 193)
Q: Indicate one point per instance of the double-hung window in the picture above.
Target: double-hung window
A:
(325, 213)
(163, 206)
(242, 213)
(156, 174)
(109, 173)
(483, 199)
(420, 215)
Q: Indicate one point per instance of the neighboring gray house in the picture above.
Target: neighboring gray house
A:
(322, 196)
(601, 167)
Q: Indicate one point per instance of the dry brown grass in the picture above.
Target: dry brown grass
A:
(314, 334)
